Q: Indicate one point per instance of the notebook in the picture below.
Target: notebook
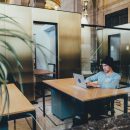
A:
(80, 81)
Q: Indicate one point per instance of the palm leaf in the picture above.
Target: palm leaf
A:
(5, 64)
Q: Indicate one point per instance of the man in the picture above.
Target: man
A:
(106, 78)
(103, 79)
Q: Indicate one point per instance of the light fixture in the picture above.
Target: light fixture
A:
(84, 12)
(127, 47)
(53, 4)
(112, 48)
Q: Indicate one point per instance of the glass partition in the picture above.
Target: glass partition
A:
(100, 42)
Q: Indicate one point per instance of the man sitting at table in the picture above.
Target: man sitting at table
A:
(106, 78)
(103, 79)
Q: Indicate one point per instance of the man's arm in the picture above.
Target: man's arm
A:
(93, 84)
(114, 83)
(93, 77)
(92, 80)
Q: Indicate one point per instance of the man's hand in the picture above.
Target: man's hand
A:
(92, 84)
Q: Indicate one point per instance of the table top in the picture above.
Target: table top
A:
(68, 86)
(42, 72)
(18, 103)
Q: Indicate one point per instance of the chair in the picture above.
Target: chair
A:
(54, 70)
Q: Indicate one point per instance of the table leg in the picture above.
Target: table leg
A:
(4, 123)
(82, 116)
(43, 96)
(33, 121)
(112, 107)
(126, 103)
(14, 124)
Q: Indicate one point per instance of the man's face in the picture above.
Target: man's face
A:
(106, 68)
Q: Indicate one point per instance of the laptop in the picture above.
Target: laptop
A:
(80, 81)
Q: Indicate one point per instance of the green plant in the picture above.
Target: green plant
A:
(7, 37)
(11, 67)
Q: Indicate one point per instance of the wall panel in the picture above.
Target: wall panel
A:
(69, 41)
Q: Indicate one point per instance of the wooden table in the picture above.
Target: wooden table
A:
(68, 86)
(42, 72)
(19, 106)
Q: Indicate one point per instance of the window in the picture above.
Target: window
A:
(116, 18)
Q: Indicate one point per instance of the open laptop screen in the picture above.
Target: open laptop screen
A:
(80, 81)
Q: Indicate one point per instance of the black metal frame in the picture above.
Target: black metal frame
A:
(83, 116)
(112, 99)
(5, 119)
(101, 26)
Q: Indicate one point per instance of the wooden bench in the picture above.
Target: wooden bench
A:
(19, 107)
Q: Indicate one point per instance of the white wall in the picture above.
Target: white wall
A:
(85, 49)
(45, 36)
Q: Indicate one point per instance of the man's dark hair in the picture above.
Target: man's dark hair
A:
(108, 61)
